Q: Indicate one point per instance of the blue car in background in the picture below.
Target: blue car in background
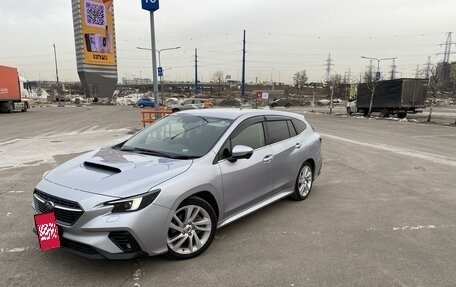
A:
(146, 102)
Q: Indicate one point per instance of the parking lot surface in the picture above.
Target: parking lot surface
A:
(382, 213)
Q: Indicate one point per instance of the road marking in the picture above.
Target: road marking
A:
(407, 152)
(425, 227)
(17, 249)
(434, 136)
(137, 275)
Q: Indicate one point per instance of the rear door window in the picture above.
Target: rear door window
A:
(277, 131)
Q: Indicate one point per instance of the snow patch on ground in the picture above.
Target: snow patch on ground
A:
(23, 152)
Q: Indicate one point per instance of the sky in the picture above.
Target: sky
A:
(282, 37)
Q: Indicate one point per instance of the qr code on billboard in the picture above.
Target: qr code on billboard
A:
(95, 14)
(47, 231)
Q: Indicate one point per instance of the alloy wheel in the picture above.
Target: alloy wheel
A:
(305, 181)
(189, 230)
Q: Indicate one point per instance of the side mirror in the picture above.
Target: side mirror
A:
(240, 152)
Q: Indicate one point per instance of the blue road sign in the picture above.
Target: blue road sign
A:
(160, 71)
(377, 76)
(150, 5)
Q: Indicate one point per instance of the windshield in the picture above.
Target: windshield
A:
(179, 136)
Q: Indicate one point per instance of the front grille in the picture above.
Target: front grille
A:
(66, 212)
(125, 241)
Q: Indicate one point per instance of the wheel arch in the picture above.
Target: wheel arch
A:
(207, 196)
(312, 165)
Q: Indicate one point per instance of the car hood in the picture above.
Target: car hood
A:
(116, 173)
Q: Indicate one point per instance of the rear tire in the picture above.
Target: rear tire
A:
(304, 182)
(287, 105)
(10, 107)
(191, 229)
(141, 106)
(384, 113)
(175, 110)
(401, 115)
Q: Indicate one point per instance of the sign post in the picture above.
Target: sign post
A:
(377, 76)
(151, 6)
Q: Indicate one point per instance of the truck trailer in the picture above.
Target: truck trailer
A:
(399, 97)
(13, 90)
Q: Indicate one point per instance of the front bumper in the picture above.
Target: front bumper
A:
(98, 233)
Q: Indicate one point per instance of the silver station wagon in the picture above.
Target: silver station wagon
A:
(170, 186)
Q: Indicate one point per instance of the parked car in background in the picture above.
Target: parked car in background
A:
(146, 102)
(230, 102)
(169, 187)
(190, 104)
(282, 102)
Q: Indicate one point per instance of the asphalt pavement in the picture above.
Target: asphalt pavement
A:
(382, 213)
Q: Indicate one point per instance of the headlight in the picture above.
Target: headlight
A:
(133, 203)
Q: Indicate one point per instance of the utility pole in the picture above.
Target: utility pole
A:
(243, 67)
(448, 43)
(196, 71)
(428, 68)
(56, 72)
(328, 68)
(371, 67)
(393, 70)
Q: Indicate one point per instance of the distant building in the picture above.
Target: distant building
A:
(136, 81)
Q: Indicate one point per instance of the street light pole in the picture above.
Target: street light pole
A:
(56, 72)
(374, 82)
(378, 62)
(159, 61)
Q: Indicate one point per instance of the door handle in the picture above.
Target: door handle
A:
(268, 158)
(298, 145)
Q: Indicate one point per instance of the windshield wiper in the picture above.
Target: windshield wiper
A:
(198, 126)
(145, 151)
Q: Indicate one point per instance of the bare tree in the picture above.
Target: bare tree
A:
(435, 83)
(299, 79)
(335, 82)
(371, 83)
(218, 77)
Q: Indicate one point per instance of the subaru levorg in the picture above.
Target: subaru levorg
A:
(170, 186)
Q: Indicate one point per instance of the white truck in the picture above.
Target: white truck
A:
(13, 91)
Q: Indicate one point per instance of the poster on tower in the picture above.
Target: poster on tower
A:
(97, 17)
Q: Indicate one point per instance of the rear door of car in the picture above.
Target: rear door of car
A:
(246, 181)
(286, 147)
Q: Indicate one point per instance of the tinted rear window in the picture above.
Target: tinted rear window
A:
(300, 126)
(291, 129)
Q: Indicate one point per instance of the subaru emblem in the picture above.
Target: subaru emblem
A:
(49, 205)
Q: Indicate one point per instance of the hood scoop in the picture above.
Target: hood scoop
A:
(101, 167)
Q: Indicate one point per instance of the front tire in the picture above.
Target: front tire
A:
(191, 229)
(304, 182)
